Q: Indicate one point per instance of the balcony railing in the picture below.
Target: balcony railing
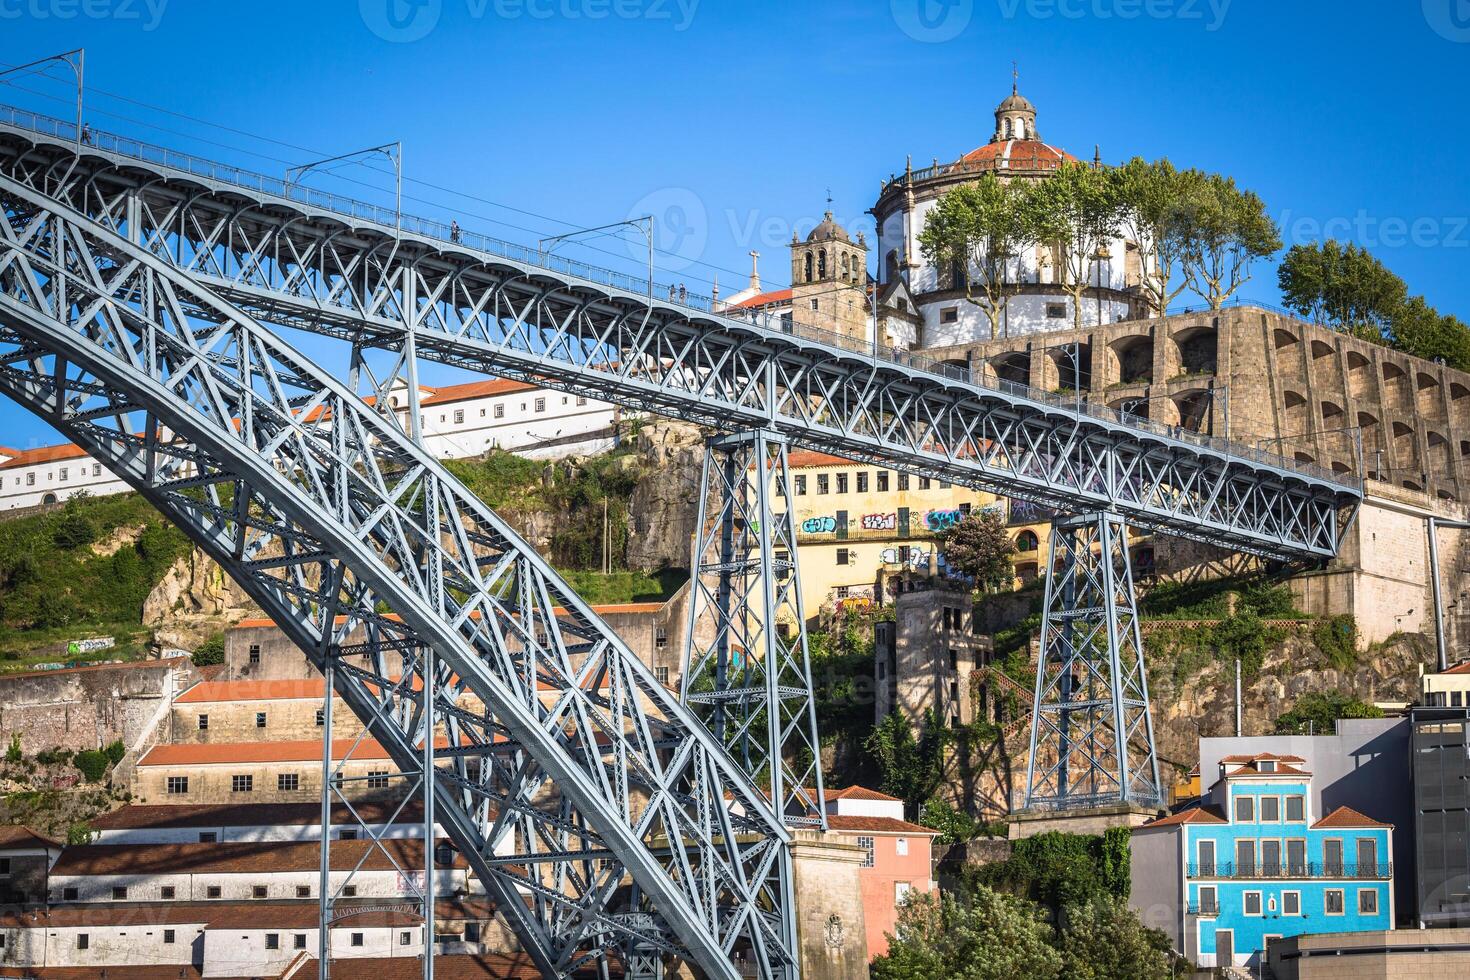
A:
(1313, 870)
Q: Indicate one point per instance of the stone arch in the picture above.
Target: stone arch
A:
(1396, 386)
(1198, 349)
(1027, 541)
(1285, 338)
(1339, 467)
(808, 266)
(1194, 408)
(1320, 349)
(49, 498)
(1302, 457)
(1134, 357)
(1458, 391)
(1073, 371)
(1330, 410)
(822, 263)
(1014, 367)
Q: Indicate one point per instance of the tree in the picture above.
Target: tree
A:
(1105, 940)
(1078, 213)
(911, 767)
(1318, 712)
(989, 937)
(979, 548)
(953, 825)
(1421, 330)
(1223, 230)
(210, 652)
(981, 229)
(1341, 286)
(1150, 199)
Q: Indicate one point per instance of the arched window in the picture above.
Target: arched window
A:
(822, 264)
(844, 266)
(1026, 541)
(1008, 129)
(808, 267)
(1020, 129)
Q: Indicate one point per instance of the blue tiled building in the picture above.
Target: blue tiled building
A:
(1252, 862)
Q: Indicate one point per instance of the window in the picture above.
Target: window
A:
(273, 940)
(242, 784)
(1056, 311)
(471, 932)
(1296, 857)
(349, 891)
(288, 781)
(842, 555)
(213, 891)
(500, 411)
(459, 416)
(30, 479)
(1291, 903)
(660, 637)
(347, 835)
(208, 837)
(1245, 858)
(357, 939)
(64, 473)
(166, 892)
(1209, 903)
(168, 936)
(661, 674)
(901, 846)
(1245, 809)
(403, 938)
(1207, 858)
(866, 843)
(882, 481)
(862, 482)
(842, 483)
(119, 893)
(1332, 901)
(815, 305)
(1367, 857)
(540, 404)
(204, 723)
(903, 481)
(1266, 765)
(482, 413)
(581, 400)
(1270, 809)
(321, 717)
(377, 779)
(1332, 857)
(950, 315)
(1296, 810)
(1251, 903)
(303, 891)
(1271, 858)
(68, 894)
(298, 941)
(260, 719)
(176, 785)
(924, 483)
(96, 469)
(801, 485)
(83, 941)
(822, 486)
(254, 653)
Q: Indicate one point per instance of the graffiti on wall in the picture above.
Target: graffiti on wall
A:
(942, 520)
(818, 525)
(880, 522)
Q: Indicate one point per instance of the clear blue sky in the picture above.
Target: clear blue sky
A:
(730, 119)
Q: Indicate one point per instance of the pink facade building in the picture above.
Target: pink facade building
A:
(900, 855)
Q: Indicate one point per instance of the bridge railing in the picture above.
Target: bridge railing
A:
(126, 146)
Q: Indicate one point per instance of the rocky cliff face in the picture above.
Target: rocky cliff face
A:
(665, 506)
(194, 600)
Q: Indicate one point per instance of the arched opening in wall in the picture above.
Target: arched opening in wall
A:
(1285, 338)
(1014, 368)
(1396, 386)
(1198, 349)
(1331, 412)
(1426, 396)
(1359, 378)
(1405, 446)
(1465, 447)
(1073, 367)
(1458, 391)
(1411, 485)
(1136, 407)
(1320, 349)
(1304, 457)
(1295, 414)
(1445, 495)
(1135, 359)
(1372, 442)
(1441, 454)
(1027, 541)
(49, 498)
(808, 267)
(1339, 467)
(822, 263)
(1194, 409)
(1144, 564)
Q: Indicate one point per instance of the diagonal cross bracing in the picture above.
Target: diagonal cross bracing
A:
(561, 747)
(337, 268)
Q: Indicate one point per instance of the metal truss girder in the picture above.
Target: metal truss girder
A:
(602, 758)
(1092, 738)
(750, 681)
(294, 265)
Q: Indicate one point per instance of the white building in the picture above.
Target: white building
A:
(457, 421)
(276, 823)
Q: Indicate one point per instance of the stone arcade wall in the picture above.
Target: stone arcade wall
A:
(89, 707)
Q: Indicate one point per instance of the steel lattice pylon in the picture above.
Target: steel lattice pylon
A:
(1092, 735)
(595, 809)
(747, 671)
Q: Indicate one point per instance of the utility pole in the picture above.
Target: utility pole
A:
(1237, 699)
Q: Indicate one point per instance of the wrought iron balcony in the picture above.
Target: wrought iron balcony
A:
(1314, 871)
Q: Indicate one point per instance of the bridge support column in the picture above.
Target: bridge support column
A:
(747, 673)
(1092, 737)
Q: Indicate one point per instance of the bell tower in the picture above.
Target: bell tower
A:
(1015, 117)
(829, 279)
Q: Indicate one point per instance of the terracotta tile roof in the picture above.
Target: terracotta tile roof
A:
(7, 451)
(1195, 814)
(43, 454)
(475, 389)
(763, 299)
(860, 793)
(1017, 155)
(1238, 759)
(107, 914)
(153, 972)
(241, 753)
(877, 825)
(236, 858)
(303, 915)
(312, 689)
(14, 837)
(1282, 769)
(129, 665)
(1463, 667)
(1346, 816)
(804, 458)
(162, 815)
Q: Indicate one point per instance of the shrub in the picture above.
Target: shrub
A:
(92, 763)
(53, 756)
(115, 752)
(13, 753)
(953, 825)
(1316, 713)
(1337, 638)
(72, 528)
(78, 834)
(210, 652)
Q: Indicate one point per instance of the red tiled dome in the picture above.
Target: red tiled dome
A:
(1016, 155)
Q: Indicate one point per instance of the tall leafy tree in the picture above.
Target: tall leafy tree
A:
(911, 766)
(989, 936)
(1343, 286)
(1421, 330)
(979, 548)
(1225, 229)
(1105, 940)
(981, 228)
(1076, 211)
(1151, 198)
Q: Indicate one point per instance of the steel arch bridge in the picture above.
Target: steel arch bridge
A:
(313, 261)
(630, 827)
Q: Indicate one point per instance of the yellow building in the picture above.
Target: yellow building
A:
(854, 520)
